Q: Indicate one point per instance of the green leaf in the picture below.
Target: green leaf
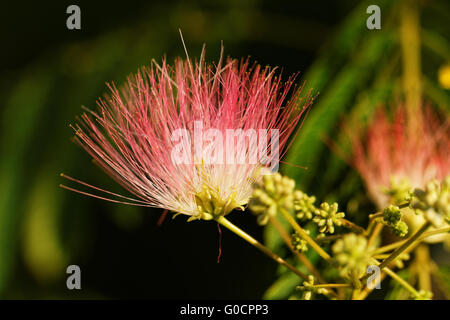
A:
(283, 287)
(18, 125)
(325, 113)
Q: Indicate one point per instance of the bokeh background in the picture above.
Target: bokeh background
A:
(49, 72)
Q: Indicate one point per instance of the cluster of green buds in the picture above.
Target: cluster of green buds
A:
(308, 289)
(275, 192)
(352, 255)
(392, 217)
(270, 194)
(298, 244)
(304, 205)
(433, 201)
(327, 217)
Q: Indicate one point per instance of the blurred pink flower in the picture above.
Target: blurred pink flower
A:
(131, 135)
(412, 148)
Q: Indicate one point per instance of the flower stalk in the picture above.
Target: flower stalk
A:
(400, 250)
(301, 257)
(403, 247)
(402, 282)
(425, 235)
(236, 230)
(304, 235)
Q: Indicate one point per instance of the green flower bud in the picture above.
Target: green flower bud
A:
(298, 243)
(352, 255)
(433, 201)
(271, 193)
(308, 289)
(304, 205)
(327, 217)
(392, 215)
(400, 229)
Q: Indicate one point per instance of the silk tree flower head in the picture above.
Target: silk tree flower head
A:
(404, 153)
(396, 156)
(185, 137)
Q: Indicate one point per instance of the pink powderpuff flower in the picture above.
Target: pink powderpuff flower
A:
(411, 149)
(131, 136)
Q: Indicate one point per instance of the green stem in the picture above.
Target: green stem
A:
(370, 227)
(401, 281)
(410, 45)
(403, 247)
(374, 233)
(366, 291)
(356, 293)
(236, 230)
(352, 226)
(328, 238)
(376, 215)
(422, 261)
(304, 235)
(394, 276)
(400, 250)
(399, 243)
(287, 240)
(333, 285)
